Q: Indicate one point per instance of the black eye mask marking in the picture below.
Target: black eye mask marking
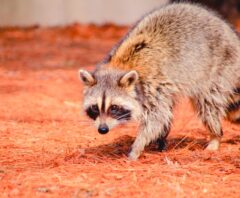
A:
(119, 113)
(93, 112)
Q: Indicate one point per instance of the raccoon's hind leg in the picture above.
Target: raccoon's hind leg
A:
(233, 108)
(154, 124)
(210, 112)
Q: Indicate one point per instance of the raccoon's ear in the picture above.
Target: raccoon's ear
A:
(87, 78)
(128, 79)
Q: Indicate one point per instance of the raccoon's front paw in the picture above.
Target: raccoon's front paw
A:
(161, 144)
(133, 156)
(213, 145)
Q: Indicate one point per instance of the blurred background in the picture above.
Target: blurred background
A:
(64, 12)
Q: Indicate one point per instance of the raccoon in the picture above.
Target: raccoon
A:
(180, 49)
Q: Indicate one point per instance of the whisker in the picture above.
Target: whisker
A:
(127, 115)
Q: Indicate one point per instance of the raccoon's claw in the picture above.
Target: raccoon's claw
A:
(161, 144)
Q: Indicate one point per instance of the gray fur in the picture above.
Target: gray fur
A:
(180, 49)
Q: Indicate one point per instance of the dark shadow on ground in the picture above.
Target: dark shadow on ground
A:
(121, 147)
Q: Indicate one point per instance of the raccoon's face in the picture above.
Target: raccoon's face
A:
(110, 98)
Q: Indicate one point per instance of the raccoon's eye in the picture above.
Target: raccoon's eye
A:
(95, 108)
(93, 112)
(113, 109)
(119, 112)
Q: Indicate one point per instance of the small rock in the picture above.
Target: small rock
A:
(43, 190)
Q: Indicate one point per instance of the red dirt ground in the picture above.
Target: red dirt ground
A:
(48, 148)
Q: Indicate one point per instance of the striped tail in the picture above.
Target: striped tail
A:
(233, 109)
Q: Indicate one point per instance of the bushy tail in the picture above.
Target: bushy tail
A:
(233, 109)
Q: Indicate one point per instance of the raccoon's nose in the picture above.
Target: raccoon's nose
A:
(103, 129)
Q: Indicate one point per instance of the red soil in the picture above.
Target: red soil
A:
(48, 148)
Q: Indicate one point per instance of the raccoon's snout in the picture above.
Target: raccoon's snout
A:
(103, 128)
